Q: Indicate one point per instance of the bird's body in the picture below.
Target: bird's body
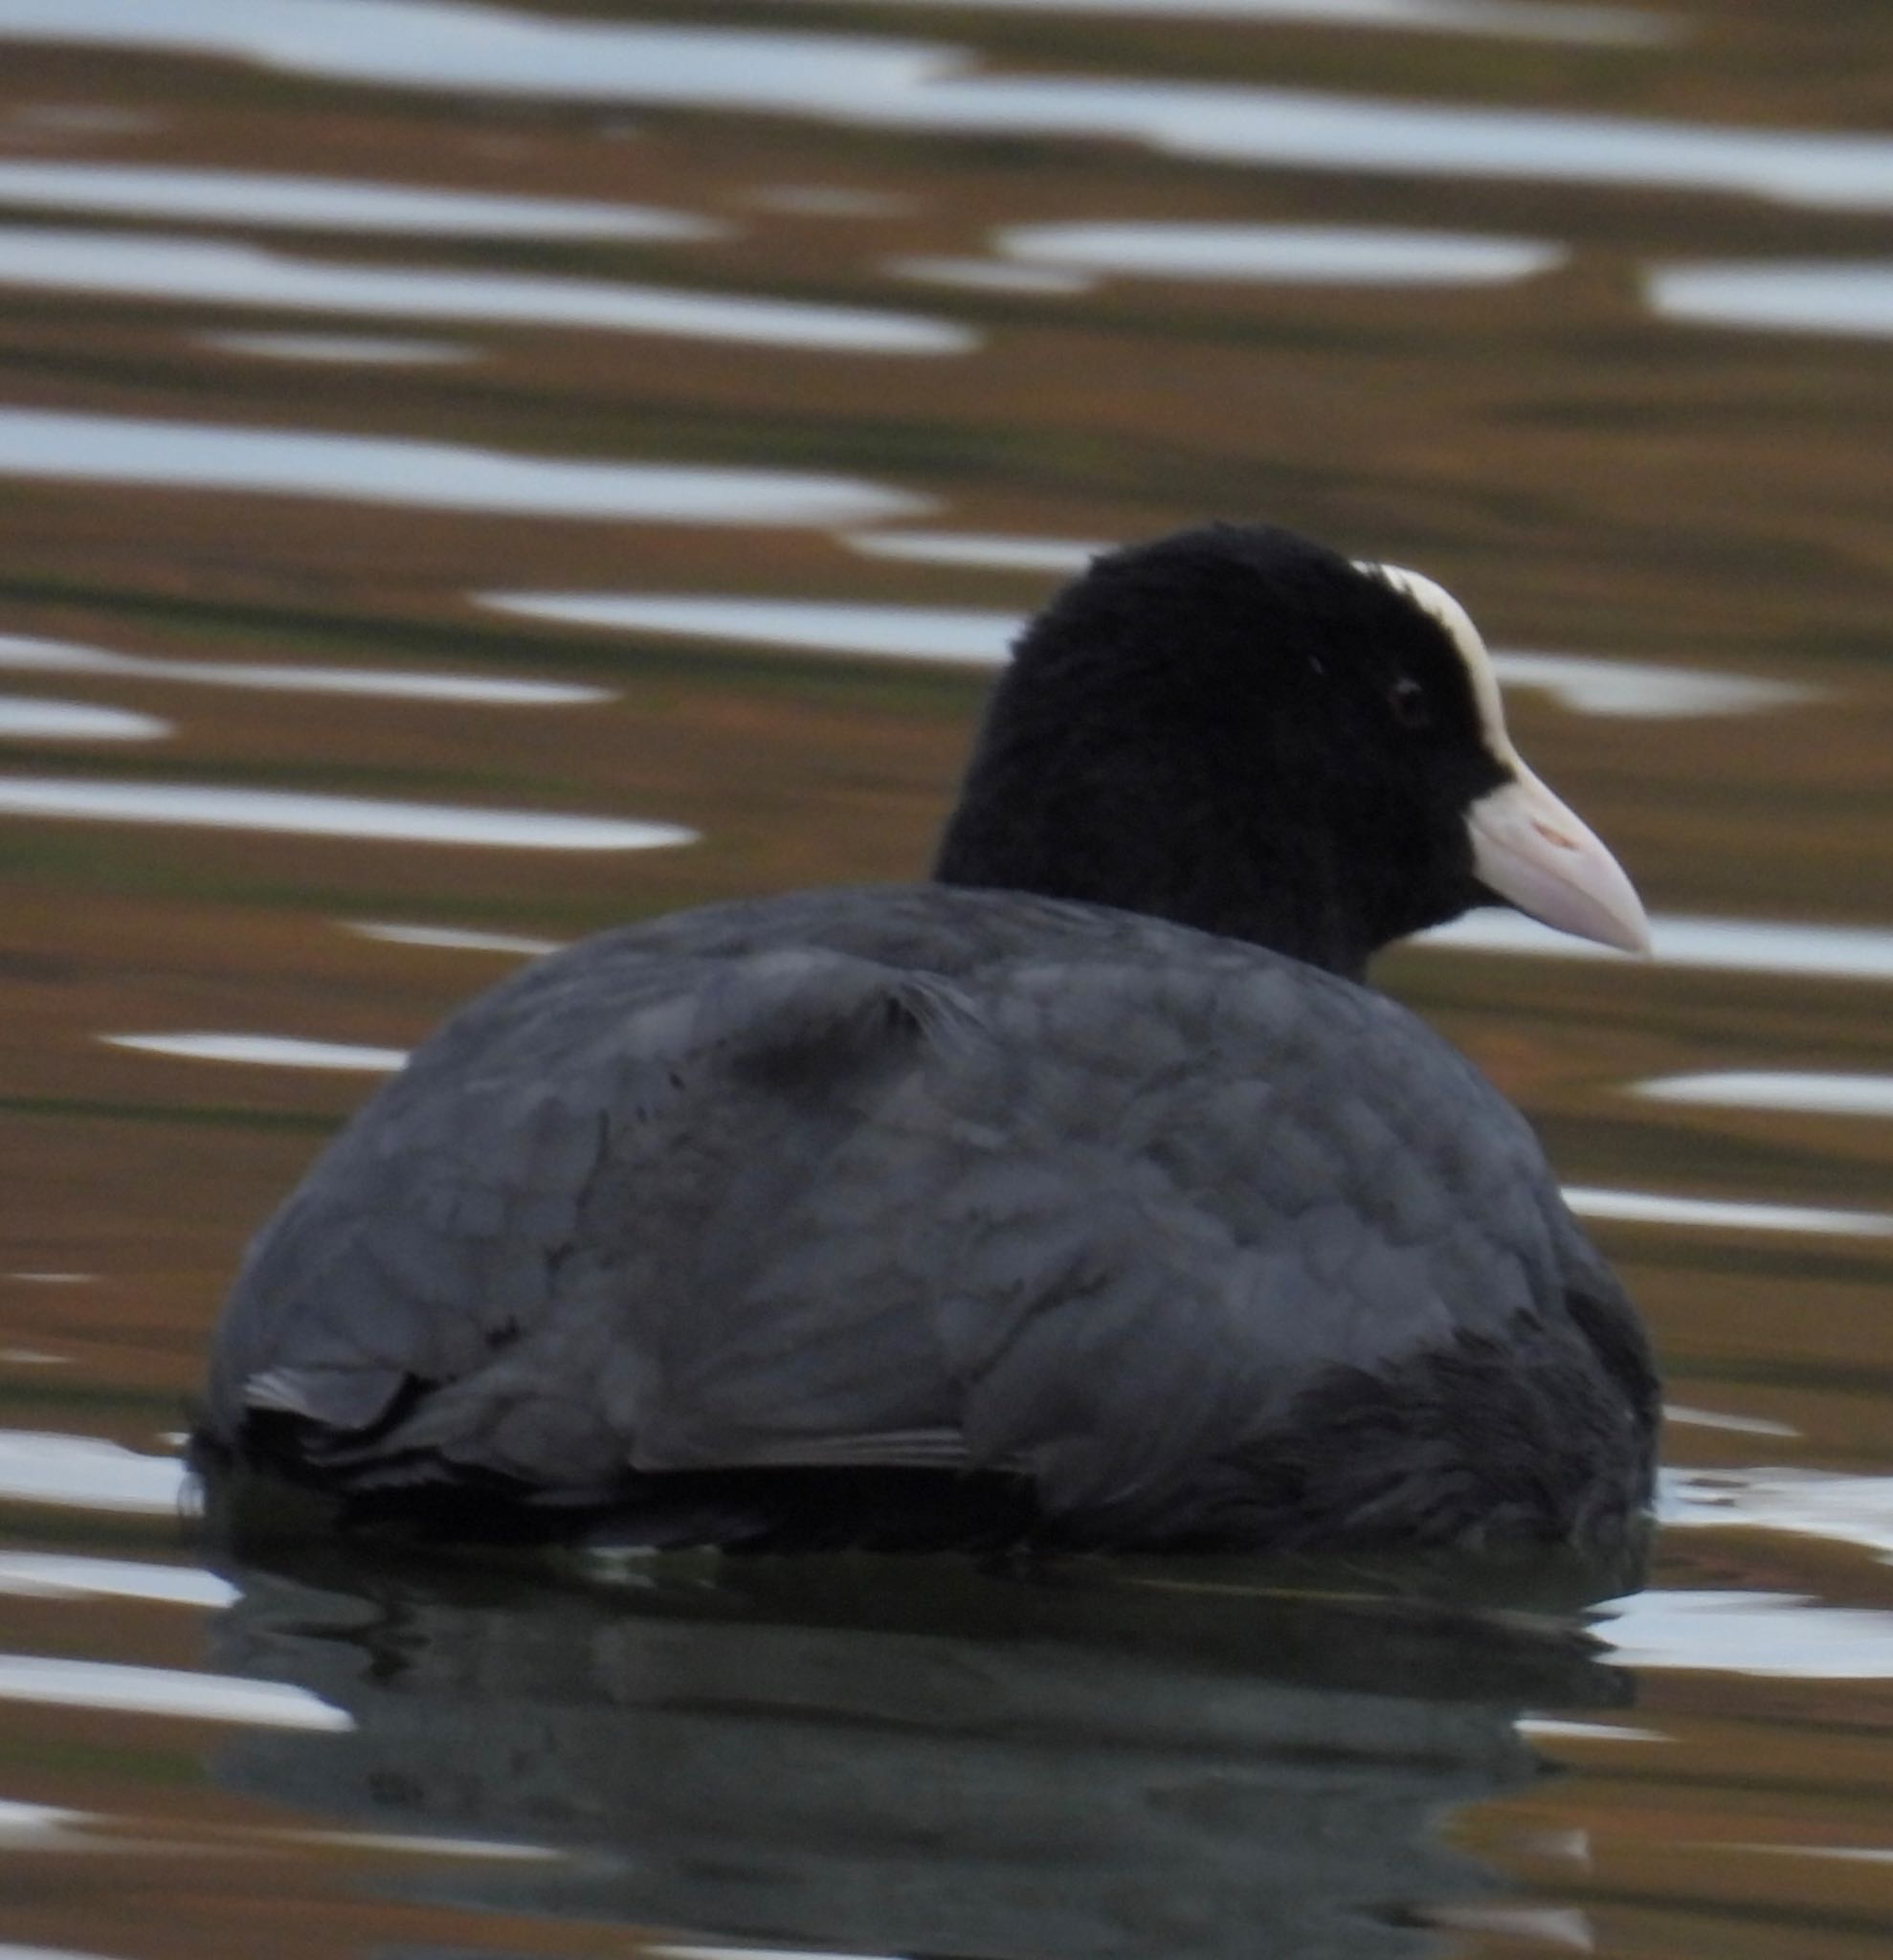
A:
(955, 1214)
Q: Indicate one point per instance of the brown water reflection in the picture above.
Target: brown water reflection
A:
(224, 253)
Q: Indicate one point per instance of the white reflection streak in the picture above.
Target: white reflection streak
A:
(333, 204)
(28, 717)
(1726, 1215)
(266, 1051)
(88, 1473)
(1714, 1419)
(1829, 296)
(22, 654)
(911, 85)
(1781, 1635)
(195, 806)
(1808, 1504)
(1802, 1092)
(1283, 255)
(1735, 946)
(61, 1575)
(1054, 556)
(52, 446)
(453, 938)
(962, 634)
(40, 1827)
(1304, 129)
(126, 1690)
(1557, 1729)
(135, 265)
(1643, 689)
(455, 48)
(45, 1827)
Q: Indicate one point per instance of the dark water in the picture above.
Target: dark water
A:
(472, 475)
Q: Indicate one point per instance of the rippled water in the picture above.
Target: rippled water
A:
(474, 474)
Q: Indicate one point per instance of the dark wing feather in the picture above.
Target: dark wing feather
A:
(1042, 1189)
(525, 1220)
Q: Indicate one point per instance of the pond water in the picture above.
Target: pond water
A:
(472, 475)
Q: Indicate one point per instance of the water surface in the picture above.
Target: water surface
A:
(474, 475)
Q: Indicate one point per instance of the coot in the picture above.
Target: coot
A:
(1082, 1196)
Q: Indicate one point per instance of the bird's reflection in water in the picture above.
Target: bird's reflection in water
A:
(916, 1756)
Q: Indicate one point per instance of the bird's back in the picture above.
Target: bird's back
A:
(1156, 1236)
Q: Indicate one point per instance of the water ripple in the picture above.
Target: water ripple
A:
(88, 1473)
(135, 265)
(1844, 1510)
(442, 45)
(52, 446)
(23, 654)
(1800, 1090)
(101, 1685)
(958, 633)
(1060, 557)
(1728, 945)
(453, 939)
(266, 1051)
(69, 1575)
(27, 718)
(1784, 1635)
(333, 204)
(1845, 296)
(1643, 688)
(302, 813)
(1285, 255)
(1726, 1215)
(437, 45)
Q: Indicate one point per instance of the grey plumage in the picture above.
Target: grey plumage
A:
(1201, 1243)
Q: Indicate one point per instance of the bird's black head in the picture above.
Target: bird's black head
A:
(1245, 732)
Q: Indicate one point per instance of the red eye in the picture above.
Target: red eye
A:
(1407, 698)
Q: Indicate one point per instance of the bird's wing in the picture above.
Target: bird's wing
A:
(1256, 1183)
(509, 1254)
(1092, 1220)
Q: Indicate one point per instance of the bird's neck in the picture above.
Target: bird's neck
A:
(1185, 863)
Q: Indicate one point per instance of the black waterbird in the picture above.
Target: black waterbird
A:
(1082, 1196)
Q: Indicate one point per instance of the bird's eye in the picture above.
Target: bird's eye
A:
(1407, 698)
